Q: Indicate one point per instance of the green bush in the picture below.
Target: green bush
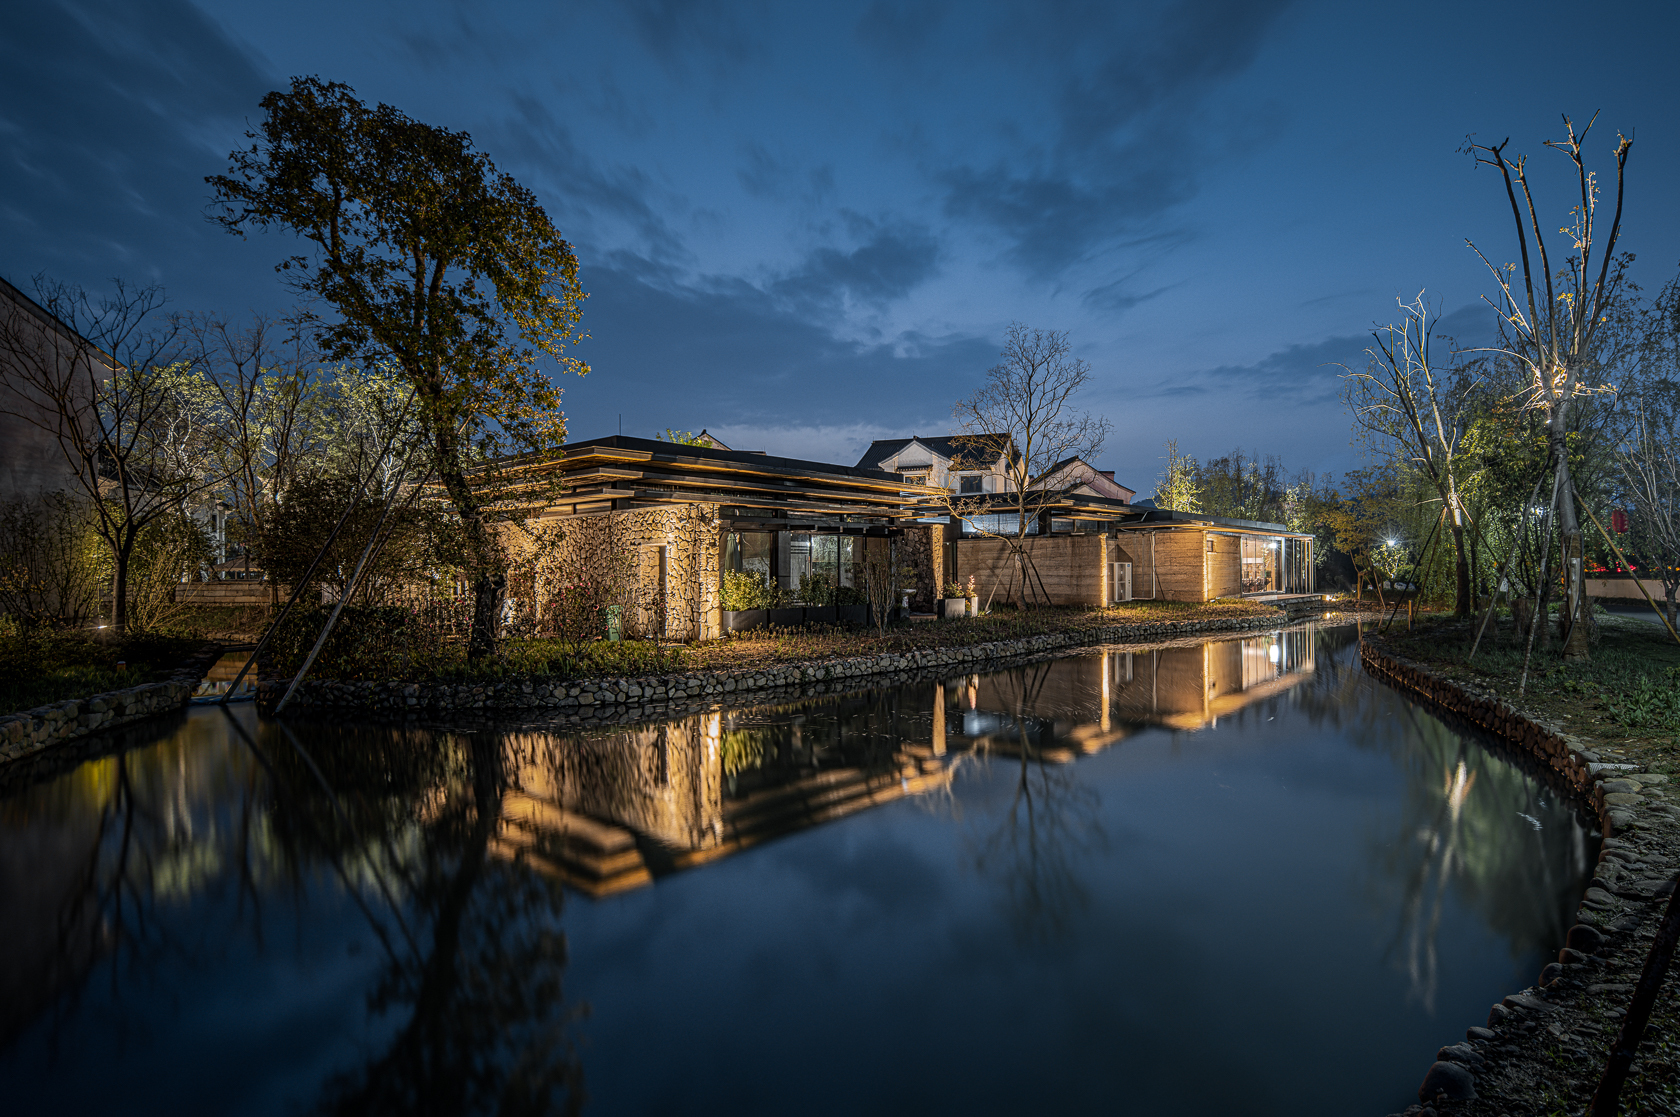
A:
(748, 591)
(44, 665)
(406, 642)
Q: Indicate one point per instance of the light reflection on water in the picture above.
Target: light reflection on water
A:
(1154, 877)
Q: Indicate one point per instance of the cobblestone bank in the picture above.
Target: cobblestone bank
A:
(607, 700)
(1545, 1045)
(33, 730)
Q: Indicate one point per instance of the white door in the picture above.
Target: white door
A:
(1120, 581)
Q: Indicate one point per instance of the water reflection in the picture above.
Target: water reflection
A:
(418, 878)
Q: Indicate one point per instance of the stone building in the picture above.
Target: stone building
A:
(666, 522)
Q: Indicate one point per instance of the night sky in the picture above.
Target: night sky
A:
(804, 226)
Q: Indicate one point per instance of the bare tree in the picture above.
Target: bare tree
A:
(1419, 414)
(110, 381)
(271, 390)
(1651, 476)
(1023, 417)
(1550, 332)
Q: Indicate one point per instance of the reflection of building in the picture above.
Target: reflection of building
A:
(609, 811)
(1089, 702)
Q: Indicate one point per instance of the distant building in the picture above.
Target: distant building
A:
(968, 465)
(1079, 476)
(31, 460)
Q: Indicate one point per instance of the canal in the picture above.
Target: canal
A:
(1235, 875)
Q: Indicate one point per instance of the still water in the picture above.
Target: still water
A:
(1221, 877)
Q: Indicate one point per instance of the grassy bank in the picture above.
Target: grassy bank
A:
(765, 647)
(1626, 696)
(41, 666)
(386, 644)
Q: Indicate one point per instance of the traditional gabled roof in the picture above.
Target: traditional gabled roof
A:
(948, 447)
(1097, 480)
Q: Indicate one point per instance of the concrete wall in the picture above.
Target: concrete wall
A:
(1625, 589)
(1070, 568)
(1224, 565)
(1180, 556)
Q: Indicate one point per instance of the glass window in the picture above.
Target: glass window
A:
(833, 559)
(1260, 563)
(1007, 524)
(971, 484)
(749, 552)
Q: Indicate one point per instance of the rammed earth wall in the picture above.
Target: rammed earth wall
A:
(1547, 1043)
(599, 700)
(33, 730)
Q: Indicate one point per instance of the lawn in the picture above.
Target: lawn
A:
(41, 666)
(1627, 694)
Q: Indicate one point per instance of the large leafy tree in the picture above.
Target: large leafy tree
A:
(425, 256)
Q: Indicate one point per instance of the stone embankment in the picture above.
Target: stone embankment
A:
(603, 701)
(1545, 1045)
(33, 730)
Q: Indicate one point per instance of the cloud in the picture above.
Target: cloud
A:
(1127, 137)
(111, 114)
(900, 28)
(1301, 375)
(727, 355)
(891, 261)
(530, 136)
(716, 33)
(766, 176)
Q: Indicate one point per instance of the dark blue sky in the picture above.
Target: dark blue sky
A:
(806, 226)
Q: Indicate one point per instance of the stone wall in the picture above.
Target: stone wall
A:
(33, 730)
(660, 566)
(600, 701)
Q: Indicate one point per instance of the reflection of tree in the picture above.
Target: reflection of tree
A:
(1051, 820)
(486, 1028)
(1474, 825)
(473, 946)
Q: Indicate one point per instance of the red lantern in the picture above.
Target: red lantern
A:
(1618, 522)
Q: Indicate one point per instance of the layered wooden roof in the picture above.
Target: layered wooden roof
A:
(620, 473)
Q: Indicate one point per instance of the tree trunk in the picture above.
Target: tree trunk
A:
(489, 579)
(119, 587)
(1461, 594)
(1569, 533)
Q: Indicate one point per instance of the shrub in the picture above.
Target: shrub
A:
(748, 591)
(52, 563)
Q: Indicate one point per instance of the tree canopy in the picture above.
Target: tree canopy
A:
(423, 255)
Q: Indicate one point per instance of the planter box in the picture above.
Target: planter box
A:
(742, 619)
(739, 620)
(953, 607)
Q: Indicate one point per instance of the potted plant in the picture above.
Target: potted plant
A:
(953, 601)
(851, 606)
(973, 598)
(746, 598)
